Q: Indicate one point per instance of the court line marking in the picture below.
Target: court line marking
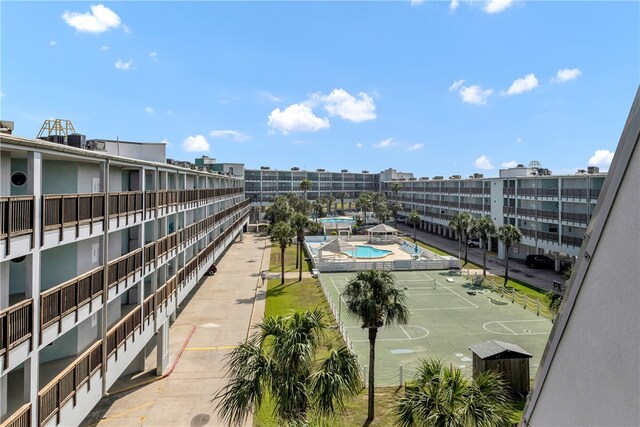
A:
(455, 293)
(441, 308)
(394, 339)
(405, 332)
(507, 328)
(500, 322)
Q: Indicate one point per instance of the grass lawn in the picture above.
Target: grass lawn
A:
(289, 259)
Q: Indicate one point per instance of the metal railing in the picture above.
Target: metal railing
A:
(62, 210)
(68, 297)
(16, 218)
(16, 326)
(65, 385)
(123, 267)
(119, 333)
(20, 418)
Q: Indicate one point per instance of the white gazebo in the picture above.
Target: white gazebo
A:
(382, 233)
(338, 247)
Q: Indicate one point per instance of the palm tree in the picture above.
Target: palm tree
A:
(395, 187)
(282, 233)
(380, 207)
(374, 299)
(442, 396)
(364, 203)
(466, 233)
(279, 360)
(342, 195)
(510, 235)
(414, 219)
(483, 227)
(305, 185)
(329, 199)
(459, 224)
(299, 223)
(318, 205)
(280, 210)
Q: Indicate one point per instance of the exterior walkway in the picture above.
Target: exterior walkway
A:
(213, 319)
(542, 279)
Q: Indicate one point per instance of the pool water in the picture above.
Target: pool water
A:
(340, 220)
(368, 252)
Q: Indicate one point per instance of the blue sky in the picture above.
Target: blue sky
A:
(433, 87)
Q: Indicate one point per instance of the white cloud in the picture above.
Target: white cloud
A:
(415, 147)
(166, 141)
(566, 74)
(1, 94)
(511, 164)
(148, 110)
(416, 2)
(495, 6)
(229, 135)
(483, 162)
(525, 84)
(386, 143)
(125, 66)
(456, 85)
(475, 95)
(126, 29)
(519, 140)
(99, 20)
(296, 118)
(264, 95)
(341, 103)
(105, 48)
(301, 142)
(53, 43)
(153, 55)
(195, 143)
(601, 158)
(453, 5)
(359, 145)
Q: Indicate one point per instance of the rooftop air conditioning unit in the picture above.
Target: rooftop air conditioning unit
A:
(365, 171)
(344, 170)
(438, 177)
(593, 169)
(455, 177)
(265, 168)
(295, 168)
(478, 175)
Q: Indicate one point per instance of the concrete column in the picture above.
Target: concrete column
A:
(162, 350)
(4, 290)
(3, 396)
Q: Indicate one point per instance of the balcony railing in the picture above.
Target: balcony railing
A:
(16, 218)
(63, 210)
(119, 333)
(575, 217)
(20, 418)
(574, 193)
(572, 241)
(65, 385)
(123, 267)
(68, 297)
(125, 204)
(16, 326)
(149, 307)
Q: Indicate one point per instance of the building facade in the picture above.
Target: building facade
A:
(552, 212)
(96, 252)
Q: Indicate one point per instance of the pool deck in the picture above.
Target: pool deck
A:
(397, 254)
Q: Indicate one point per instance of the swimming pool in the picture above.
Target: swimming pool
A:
(365, 251)
(337, 220)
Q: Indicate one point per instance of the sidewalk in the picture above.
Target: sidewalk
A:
(542, 279)
(213, 319)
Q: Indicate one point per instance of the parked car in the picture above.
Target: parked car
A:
(539, 261)
(473, 243)
(212, 270)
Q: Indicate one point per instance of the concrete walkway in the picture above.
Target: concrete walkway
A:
(542, 279)
(213, 319)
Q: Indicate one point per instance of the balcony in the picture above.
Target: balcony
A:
(121, 270)
(572, 241)
(574, 193)
(119, 333)
(123, 205)
(69, 298)
(66, 386)
(579, 218)
(16, 219)
(71, 210)
(20, 418)
(16, 327)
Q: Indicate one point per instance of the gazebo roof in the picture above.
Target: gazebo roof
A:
(337, 246)
(492, 348)
(382, 228)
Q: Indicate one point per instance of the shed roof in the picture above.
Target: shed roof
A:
(492, 348)
(337, 246)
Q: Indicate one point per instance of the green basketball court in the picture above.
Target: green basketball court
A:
(447, 315)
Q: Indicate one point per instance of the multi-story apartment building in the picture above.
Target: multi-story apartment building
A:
(552, 212)
(97, 250)
(264, 184)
